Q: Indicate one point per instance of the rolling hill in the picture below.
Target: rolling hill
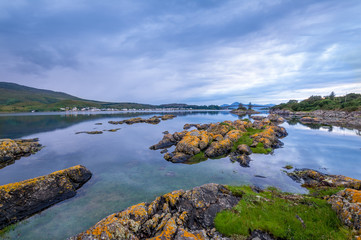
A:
(19, 98)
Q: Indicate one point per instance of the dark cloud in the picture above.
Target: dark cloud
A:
(183, 51)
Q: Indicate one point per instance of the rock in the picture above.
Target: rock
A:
(313, 179)
(243, 159)
(23, 199)
(167, 141)
(167, 116)
(152, 120)
(90, 132)
(244, 149)
(164, 151)
(257, 117)
(276, 118)
(347, 204)
(11, 150)
(165, 132)
(241, 112)
(310, 120)
(218, 148)
(176, 215)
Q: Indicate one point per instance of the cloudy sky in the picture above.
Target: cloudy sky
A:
(189, 51)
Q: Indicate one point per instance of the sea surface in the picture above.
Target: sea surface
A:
(126, 172)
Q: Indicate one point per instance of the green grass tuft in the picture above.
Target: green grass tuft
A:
(273, 212)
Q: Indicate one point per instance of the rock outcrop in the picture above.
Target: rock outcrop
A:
(176, 215)
(11, 150)
(220, 139)
(347, 204)
(151, 120)
(242, 112)
(326, 117)
(23, 199)
(314, 179)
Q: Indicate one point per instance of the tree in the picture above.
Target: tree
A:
(249, 106)
(332, 95)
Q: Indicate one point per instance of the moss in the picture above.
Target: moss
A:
(279, 214)
(260, 149)
(324, 191)
(199, 157)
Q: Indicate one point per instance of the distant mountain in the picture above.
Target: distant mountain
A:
(19, 98)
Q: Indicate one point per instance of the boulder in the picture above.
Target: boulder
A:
(176, 215)
(23, 199)
(244, 149)
(347, 204)
(11, 150)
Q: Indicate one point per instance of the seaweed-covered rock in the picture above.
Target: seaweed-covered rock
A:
(176, 215)
(22, 199)
(167, 116)
(11, 150)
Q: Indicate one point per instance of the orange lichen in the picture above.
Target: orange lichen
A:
(102, 227)
(168, 232)
(173, 197)
(354, 194)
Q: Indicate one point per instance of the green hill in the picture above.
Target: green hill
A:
(18, 98)
(349, 102)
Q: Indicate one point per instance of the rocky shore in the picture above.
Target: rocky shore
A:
(326, 117)
(11, 150)
(176, 215)
(23, 199)
(201, 213)
(152, 120)
(238, 139)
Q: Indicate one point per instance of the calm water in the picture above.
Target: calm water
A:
(126, 172)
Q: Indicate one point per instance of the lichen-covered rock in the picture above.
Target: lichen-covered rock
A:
(151, 120)
(347, 204)
(23, 199)
(217, 139)
(310, 120)
(11, 150)
(244, 149)
(176, 215)
(167, 116)
(311, 178)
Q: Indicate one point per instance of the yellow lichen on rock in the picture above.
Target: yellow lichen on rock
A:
(168, 232)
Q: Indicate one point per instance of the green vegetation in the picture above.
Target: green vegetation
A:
(283, 215)
(350, 102)
(199, 157)
(260, 149)
(288, 167)
(246, 139)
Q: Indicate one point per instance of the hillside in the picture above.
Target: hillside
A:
(18, 98)
(349, 102)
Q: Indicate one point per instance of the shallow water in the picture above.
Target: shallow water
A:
(126, 172)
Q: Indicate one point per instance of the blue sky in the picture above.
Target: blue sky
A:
(202, 52)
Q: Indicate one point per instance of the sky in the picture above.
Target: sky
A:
(183, 51)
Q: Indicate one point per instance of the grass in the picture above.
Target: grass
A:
(273, 212)
(288, 167)
(199, 157)
(260, 149)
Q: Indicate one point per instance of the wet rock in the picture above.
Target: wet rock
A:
(153, 120)
(243, 159)
(23, 199)
(176, 215)
(347, 204)
(11, 150)
(90, 132)
(98, 123)
(167, 141)
(311, 178)
(164, 151)
(167, 116)
(260, 235)
(165, 132)
(113, 130)
(276, 118)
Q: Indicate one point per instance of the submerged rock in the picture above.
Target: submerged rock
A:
(23, 199)
(176, 215)
(152, 120)
(11, 150)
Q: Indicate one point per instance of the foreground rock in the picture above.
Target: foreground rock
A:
(176, 215)
(238, 138)
(336, 118)
(314, 179)
(23, 199)
(11, 150)
(347, 204)
(152, 120)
